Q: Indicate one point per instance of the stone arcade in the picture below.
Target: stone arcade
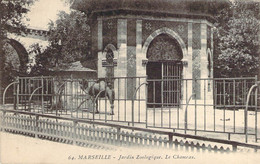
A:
(160, 39)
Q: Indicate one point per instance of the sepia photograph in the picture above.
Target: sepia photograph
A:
(129, 81)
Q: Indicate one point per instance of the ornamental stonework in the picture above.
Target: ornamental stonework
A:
(196, 73)
(181, 28)
(109, 32)
(164, 48)
(131, 32)
(131, 70)
(196, 35)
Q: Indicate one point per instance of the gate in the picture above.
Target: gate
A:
(164, 84)
(172, 72)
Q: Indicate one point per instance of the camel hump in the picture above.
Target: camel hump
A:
(101, 79)
(101, 86)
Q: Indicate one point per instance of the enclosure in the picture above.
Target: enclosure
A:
(232, 112)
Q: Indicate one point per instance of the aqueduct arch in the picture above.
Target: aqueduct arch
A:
(17, 47)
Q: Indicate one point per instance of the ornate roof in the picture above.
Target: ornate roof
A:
(180, 8)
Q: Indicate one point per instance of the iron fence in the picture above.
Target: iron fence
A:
(72, 97)
(198, 105)
(204, 105)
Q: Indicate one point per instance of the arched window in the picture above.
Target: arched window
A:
(110, 67)
(164, 48)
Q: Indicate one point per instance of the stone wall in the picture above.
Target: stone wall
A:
(132, 35)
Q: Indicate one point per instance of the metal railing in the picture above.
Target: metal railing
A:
(218, 104)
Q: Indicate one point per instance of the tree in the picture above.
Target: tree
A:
(236, 40)
(69, 41)
(11, 14)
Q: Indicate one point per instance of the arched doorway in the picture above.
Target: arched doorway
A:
(164, 71)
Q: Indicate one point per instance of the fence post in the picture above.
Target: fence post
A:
(256, 106)
(74, 135)
(133, 111)
(186, 113)
(170, 141)
(17, 95)
(42, 99)
(146, 101)
(195, 98)
(234, 147)
(118, 135)
(94, 109)
(36, 126)
(3, 121)
(246, 111)
(14, 97)
(133, 101)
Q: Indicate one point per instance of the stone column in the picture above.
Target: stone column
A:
(140, 69)
(196, 59)
(122, 54)
(206, 92)
(204, 61)
(187, 84)
(101, 70)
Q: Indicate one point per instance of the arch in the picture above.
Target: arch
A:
(172, 34)
(20, 50)
(15, 55)
(164, 47)
(159, 69)
(111, 47)
(116, 55)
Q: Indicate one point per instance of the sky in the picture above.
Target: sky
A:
(42, 11)
(39, 16)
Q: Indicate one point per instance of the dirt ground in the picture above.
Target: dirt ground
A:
(168, 118)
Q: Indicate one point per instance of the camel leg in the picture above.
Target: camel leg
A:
(111, 101)
(112, 109)
(96, 106)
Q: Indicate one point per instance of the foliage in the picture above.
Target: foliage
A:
(69, 41)
(236, 46)
(236, 40)
(11, 14)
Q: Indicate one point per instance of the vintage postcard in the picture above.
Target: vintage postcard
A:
(129, 81)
